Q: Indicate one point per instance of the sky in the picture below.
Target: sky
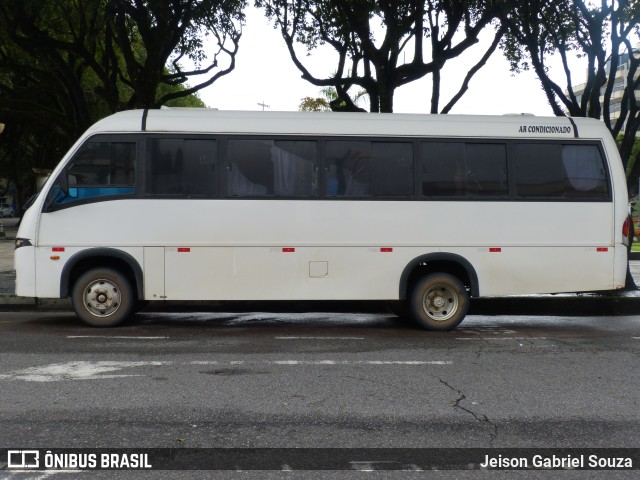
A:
(265, 73)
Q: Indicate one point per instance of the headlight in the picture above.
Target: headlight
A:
(22, 242)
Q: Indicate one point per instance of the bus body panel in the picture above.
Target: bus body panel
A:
(52, 259)
(154, 273)
(24, 259)
(276, 249)
(182, 222)
(265, 249)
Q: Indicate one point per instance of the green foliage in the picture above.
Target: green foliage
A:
(330, 101)
(635, 151)
(308, 104)
(66, 63)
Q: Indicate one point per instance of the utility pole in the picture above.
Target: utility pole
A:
(264, 105)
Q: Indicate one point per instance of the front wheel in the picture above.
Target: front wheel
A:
(102, 297)
(439, 302)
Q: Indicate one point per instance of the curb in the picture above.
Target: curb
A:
(549, 305)
(13, 302)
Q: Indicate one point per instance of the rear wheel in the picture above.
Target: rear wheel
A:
(439, 301)
(102, 297)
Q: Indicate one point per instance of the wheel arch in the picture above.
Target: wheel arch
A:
(451, 263)
(101, 257)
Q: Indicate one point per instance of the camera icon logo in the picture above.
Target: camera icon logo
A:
(23, 459)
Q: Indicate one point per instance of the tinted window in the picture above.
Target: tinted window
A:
(456, 169)
(279, 168)
(200, 176)
(364, 169)
(181, 167)
(392, 169)
(99, 169)
(586, 174)
(104, 164)
(559, 171)
(487, 170)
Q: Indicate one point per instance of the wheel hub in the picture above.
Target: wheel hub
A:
(440, 302)
(102, 298)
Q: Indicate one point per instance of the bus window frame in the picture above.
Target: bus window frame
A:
(61, 181)
(142, 140)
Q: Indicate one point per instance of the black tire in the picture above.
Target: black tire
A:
(102, 297)
(139, 305)
(439, 301)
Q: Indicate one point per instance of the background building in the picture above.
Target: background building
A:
(621, 82)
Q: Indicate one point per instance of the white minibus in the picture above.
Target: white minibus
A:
(422, 211)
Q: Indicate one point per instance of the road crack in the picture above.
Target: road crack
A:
(479, 417)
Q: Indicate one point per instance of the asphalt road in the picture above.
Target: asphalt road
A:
(318, 380)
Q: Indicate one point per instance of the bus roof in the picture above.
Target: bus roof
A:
(203, 120)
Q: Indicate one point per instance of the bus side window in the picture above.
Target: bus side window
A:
(272, 168)
(200, 175)
(585, 172)
(164, 166)
(392, 169)
(443, 169)
(348, 164)
(182, 167)
(99, 169)
(456, 169)
(295, 168)
(556, 171)
(486, 170)
(538, 170)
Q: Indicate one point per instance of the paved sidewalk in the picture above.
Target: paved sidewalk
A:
(7, 272)
(565, 304)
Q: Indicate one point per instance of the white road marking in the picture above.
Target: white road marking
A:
(86, 370)
(319, 338)
(118, 337)
(324, 362)
(501, 338)
(80, 370)
(357, 362)
(43, 474)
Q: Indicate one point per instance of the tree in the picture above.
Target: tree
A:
(169, 31)
(131, 46)
(66, 63)
(373, 37)
(598, 32)
(329, 101)
(318, 104)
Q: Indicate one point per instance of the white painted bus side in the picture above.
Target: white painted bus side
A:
(332, 249)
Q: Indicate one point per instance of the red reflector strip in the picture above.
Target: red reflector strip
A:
(602, 249)
(386, 249)
(495, 250)
(184, 250)
(288, 250)
(57, 249)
